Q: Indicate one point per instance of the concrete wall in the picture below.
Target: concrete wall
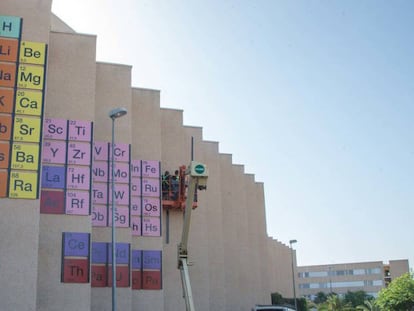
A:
(236, 265)
(398, 268)
(19, 219)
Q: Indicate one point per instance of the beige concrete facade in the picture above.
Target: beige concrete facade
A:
(236, 265)
(370, 277)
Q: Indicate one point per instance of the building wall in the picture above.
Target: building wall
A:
(19, 219)
(398, 268)
(236, 265)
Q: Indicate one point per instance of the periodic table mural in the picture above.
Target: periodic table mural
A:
(22, 84)
(59, 161)
(66, 167)
(77, 180)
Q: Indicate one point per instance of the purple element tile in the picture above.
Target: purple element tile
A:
(136, 259)
(151, 169)
(121, 194)
(151, 260)
(150, 207)
(136, 206)
(79, 153)
(99, 216)
(100, 171)
(77, 203)
(151, 226)
(135, 168)
(150, 187)
(136, 226)
(75, 244)
(55, 129)
(100, 151)
(80, 130)
(135, 186)
(121, 152)
(121, 172)
(78, 177)
(99, 253)
(122, 253)
(121, 217)
(54, 151)
(53, 177)
(100, 193)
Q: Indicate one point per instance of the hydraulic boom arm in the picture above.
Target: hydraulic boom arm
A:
(198, 175)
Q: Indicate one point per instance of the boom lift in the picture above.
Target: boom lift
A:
(198, 174)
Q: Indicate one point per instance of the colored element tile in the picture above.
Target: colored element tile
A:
(75, 270)
(5, 127)
(77, 203)
(53, 177)
(7, 74)
(99, 216)
(6, 100)
(122, 276)
(76, 244)
(151, 280)
(30, 77)
(99, 275)
(32, 53)
(4, 155)
(55, 129)
(23, 185)
(54, 152)
(4, 179)
(25, 157)
(52, 202)
(8, 49)
(29, 102)
(10, 26)
(27, 129)
(136, 279)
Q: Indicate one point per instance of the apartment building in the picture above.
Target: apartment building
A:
(370, 277)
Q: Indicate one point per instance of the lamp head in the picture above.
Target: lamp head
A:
(292, 241)
(117, 113)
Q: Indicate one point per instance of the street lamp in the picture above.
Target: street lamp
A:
(114, 114)
(293, 272)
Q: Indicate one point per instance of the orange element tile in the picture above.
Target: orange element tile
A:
(9, 49)
(6, 100)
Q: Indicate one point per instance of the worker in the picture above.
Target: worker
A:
(166, 181)
(175, 182)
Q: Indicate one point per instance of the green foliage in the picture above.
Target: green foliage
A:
(335, 303)
(321, 297)
(369, 305)
(356, 298)
(398, 296)
(277, 298)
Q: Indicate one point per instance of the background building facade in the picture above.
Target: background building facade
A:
(370, 277)
(54, 226)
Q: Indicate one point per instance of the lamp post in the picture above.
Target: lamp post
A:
(293, 272)
(114, 114)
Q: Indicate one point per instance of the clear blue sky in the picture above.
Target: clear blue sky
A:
(314, 97)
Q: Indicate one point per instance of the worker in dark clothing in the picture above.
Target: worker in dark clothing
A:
(166, 181)
(175, 182)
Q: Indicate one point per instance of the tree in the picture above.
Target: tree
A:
(276, 298)
(320, 298)
(399, 295)
(335, 303)
(369, 305)
(356, 298)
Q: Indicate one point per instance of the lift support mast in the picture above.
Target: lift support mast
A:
(198, 175)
